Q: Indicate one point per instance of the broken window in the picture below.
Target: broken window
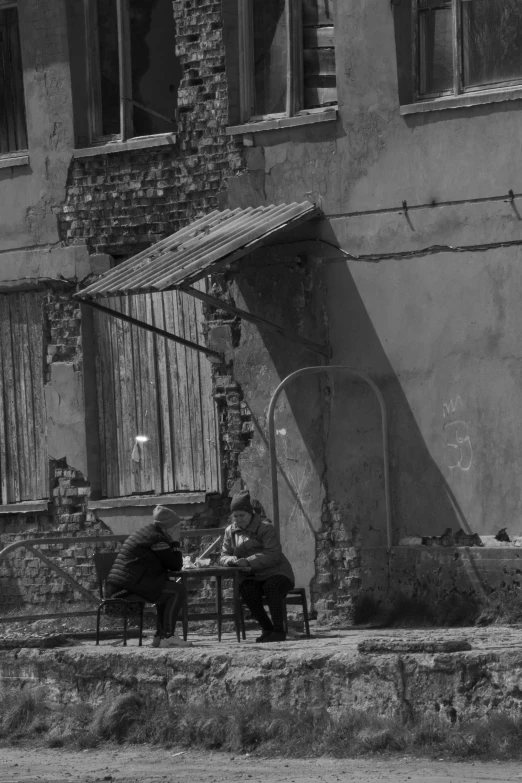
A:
(287, 57)
(465, 45)
(13, 133)
(134, 71)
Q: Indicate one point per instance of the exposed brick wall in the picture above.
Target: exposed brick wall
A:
(24, 578)
(120, 203)
(337, 567)
(63, 317)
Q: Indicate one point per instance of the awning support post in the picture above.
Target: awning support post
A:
(214, 355)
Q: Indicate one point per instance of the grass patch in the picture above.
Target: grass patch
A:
(249, 727)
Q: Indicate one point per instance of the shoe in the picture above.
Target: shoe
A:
(170, 641)
(264, 636)
(274, 636)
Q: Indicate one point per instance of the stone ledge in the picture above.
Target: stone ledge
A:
(9, 162)
(256, 126)
(27, 507)
(148, 500)
(140, 143)
(323, 673)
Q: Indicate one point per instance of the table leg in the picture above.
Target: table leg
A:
(184, 611)
(237, 606)
(219, 605)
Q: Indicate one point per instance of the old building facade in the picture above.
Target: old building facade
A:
(399, 121)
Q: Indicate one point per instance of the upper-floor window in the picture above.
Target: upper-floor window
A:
(133, 71)
(287, 57)
(13, 132)
(466, 45)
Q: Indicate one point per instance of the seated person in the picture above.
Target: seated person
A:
(251, 543)
(142, 568)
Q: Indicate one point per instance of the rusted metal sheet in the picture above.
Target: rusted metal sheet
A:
(23, 440)
(208, 244)
(150, 386)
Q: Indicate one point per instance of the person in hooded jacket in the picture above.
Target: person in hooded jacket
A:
(142, 568)
(251, 543)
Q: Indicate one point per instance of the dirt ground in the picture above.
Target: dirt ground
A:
(146, 765)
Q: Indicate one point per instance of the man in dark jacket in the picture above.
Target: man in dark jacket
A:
(142, 568)
(251, 543)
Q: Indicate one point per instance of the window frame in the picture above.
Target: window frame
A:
(458, 89)
(294, 64)
(94, 77)
(95, 120)
(6, 5)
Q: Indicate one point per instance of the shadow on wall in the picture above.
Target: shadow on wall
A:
(422, 501)
(329, 428)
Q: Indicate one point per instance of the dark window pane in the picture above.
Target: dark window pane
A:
(492, 41)
(109, 66)
(270, 56)
(13, 134)
(156, 71)
(435, 51)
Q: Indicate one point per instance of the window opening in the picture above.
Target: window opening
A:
(134, 71)
(13, 130)
(492, 41)
(465, 45)
(287, 57)
(270, 56)
(320, 84)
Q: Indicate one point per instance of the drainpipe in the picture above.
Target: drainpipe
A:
(272, 439)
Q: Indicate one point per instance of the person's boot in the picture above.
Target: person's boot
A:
(170, 641)
(264, 636)
(274, 636)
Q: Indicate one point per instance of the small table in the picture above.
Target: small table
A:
(220, 573)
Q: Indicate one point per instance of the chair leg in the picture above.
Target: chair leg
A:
(140, 643)
(219, 605)
(285, 616)
(98, 613)
(237, 609)
(184, 618)
(242, 618)
(305, 614)
(125, 631)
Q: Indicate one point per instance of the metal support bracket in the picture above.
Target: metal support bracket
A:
(214, 355)
(257, 320)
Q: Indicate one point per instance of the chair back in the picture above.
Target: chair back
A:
(103, 562)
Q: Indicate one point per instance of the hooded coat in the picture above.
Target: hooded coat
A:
(259, 544)
(143, 563)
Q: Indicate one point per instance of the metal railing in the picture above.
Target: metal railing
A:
(384, 425)
(31, 543)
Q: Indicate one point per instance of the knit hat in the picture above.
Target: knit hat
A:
(165, 515)
(241, 502)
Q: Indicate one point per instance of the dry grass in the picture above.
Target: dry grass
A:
(242, 727)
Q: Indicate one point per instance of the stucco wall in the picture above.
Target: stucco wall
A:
(427, 300)
(282, 290)
(29, 195)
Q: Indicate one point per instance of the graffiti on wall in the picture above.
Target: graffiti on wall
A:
(457, 442)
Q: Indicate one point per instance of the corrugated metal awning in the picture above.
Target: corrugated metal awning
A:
(210, 243)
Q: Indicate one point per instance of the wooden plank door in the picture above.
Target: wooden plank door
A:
(156, 388)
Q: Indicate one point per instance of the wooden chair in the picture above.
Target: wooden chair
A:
(130, 607)
(295, 597)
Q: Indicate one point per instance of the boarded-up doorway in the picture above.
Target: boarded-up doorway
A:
(152, 387)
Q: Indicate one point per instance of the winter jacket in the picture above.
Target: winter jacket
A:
(143, 563)
(257, 543)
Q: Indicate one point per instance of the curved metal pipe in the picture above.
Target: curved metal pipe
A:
(272, 440)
